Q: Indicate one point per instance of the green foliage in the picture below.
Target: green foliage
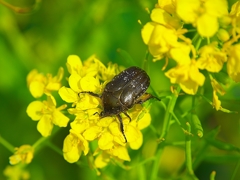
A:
(187, 138)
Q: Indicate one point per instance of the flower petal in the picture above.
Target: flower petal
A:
(74, 64)
(68, 94)
(34, 110)
(45, 125)
(60, 119)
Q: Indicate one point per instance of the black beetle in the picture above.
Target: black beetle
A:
(122, 92)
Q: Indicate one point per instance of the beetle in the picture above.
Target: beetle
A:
(124, 91)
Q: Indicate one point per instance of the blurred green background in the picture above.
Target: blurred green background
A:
(44, 39)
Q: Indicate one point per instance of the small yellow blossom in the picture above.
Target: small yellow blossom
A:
(159, 39)
(216, 101)
(233, 63)
(168, 5)
(235, 18)
(22, 154)
(39, 84)
(162, 17)
(181, 53)
(74, 64)
(47, 114)
(73, 146)
(223, 35)
(120, 152)
(102, 160)
(90, 67)
(211, 58)
(71, 95)
(202, 14)
(187, 76)
(16, 173)
(217, 86)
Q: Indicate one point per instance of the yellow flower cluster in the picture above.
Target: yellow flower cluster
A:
(45, 111)
(166, 37)
(22, 154)
(87, 127)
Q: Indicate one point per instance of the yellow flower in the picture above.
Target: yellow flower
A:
(90, 67)
(235, 18)
(223, 35)
(102, 160)
(47, 114)
(73, 146)
(217, 86)
(119, 152)
(87, 126)
(211, 58)
(16, 173)
(107, 73)
(202, 14)
(23, 154)
(216, 102)
(181, 53)
(159, 39)
(77, 85)
(233, 63)
(162, 17)
(39, 84)
(187, 76)
(168, 5)
(74, 64)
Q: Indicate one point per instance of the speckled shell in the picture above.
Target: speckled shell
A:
(121, 93)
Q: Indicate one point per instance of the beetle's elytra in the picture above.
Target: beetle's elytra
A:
(122, 92)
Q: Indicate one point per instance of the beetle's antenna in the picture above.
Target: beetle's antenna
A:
(121, 127)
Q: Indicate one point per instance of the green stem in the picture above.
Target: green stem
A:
(142, 173)
(196, 36)
(235, 170)
(199, 41)
(55, 148)
(36, 145)
(7, 144)
(168, 114)
(188, 151)
(200, 155)
(166, 124)
(156, 162)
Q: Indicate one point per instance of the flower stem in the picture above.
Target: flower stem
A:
(235, 170)
(6, 144)
(166, 125)
(188, 151)
(38, 142)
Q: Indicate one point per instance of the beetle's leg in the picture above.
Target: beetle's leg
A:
(121, 127)
(91, 93)
(127, 116)
(143, 99)
(96, 113)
